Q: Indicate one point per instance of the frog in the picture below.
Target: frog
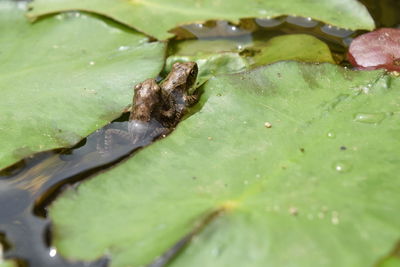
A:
(143, 120)
(146, 101)
(156, 109)
(175, 94)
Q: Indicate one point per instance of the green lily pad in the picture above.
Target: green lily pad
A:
(7, 264)
(391, 262)
(232, 56)
(299, 47)
(213, 57)
(157, 17)
(194, 48)
(301, 159)
(64, 77)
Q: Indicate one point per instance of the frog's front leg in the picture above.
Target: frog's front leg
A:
(190, 100)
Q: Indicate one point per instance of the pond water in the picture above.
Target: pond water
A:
(27, 187)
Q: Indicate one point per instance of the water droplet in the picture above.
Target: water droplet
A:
(216, 251)
(53, 252)
(22, 5)
(335, 31)
(335, 220)
(60, 17)
(371, 118)
(303, 22)
(331, 134)
(269, 22)
(161, 226)
(91, 63)
(262, 11)
(335, 217)
(342, 166)
(123, 48)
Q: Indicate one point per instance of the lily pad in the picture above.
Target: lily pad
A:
(7, 264)
(299, 47)
(157, 17)
(64, 77)
(391, 262)
(232, 56)
(213, 57)
(300, 159)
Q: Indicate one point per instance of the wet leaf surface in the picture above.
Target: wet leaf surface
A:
(297, 157)
(157, 17)
(64, 77)
(379, 49)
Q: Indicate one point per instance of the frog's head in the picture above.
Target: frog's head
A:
(187, 72)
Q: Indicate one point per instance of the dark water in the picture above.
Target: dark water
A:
(27, 187)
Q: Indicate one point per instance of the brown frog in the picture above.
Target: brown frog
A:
(156, 109)
(175, 91)
(146, 101)
(142, 124)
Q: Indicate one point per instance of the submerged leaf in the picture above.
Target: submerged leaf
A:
(300, 181)
(64, 77)
(157, 17)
